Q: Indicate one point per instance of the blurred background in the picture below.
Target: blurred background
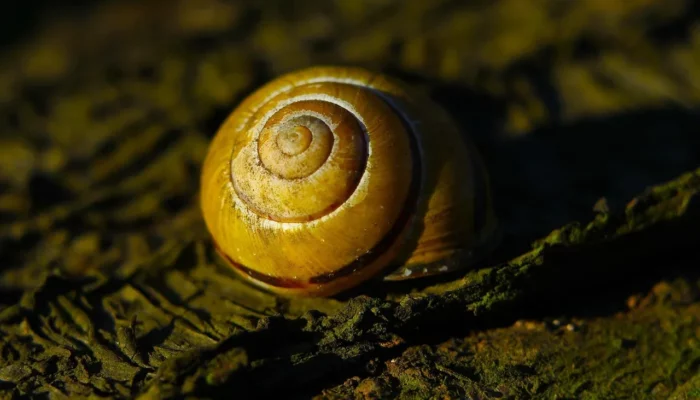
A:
(107, 107)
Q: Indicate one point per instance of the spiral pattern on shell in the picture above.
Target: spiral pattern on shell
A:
(325, 176)
(314, 173)
(307, 154)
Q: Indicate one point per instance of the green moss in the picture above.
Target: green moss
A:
(639, 354)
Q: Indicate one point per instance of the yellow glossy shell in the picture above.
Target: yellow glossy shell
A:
(324, 177)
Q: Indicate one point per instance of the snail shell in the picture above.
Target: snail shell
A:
(326, 176)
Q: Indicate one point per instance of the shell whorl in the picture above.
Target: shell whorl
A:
(313, 171)
(325, 176)
(304, 160)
